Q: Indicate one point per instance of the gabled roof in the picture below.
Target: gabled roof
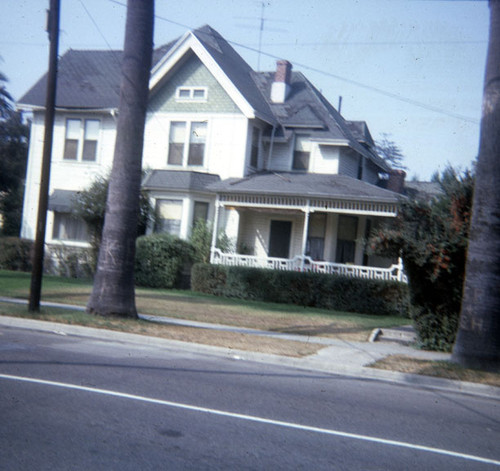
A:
(307, 185)
(91, 80)
(179, 180)
(306, 108)
(85, 80)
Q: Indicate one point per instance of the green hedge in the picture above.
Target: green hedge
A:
(304, 289)
(15, 253)
(163, 261)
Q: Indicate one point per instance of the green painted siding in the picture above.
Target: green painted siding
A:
(192, 73)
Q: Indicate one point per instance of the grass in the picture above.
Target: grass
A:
(441, 369)
(205, 308)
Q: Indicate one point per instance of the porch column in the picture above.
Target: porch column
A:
(215, 229)
(307, 211)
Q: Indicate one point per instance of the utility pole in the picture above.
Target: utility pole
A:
(50, 102)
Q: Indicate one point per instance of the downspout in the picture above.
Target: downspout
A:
(307, 211)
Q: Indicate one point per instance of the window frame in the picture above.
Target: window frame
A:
(255, 147)
(298, 154)
(191, 92)
(79, 139)
(188, 145)
(60, 228)
(159, 226)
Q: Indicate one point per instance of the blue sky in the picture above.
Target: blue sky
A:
(411, 68)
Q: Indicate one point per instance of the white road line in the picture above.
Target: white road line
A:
(252, 418)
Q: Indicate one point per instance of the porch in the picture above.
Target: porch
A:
(304, 263)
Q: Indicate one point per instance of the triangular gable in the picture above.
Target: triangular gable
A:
(189, 42)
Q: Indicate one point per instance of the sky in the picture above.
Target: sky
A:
(412, 69)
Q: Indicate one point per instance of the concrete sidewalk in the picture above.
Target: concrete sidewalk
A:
(338, 356)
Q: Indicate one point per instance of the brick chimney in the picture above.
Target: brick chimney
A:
(396, 181)
(282, 79)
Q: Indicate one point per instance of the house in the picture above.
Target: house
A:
(262, 155)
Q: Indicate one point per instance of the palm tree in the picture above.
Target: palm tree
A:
(478, 338)
(113, 292)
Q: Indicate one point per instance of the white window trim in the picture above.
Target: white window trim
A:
(81, 139)
(187, 142)
(191, 97)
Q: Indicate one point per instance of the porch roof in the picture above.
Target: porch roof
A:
(306, 185)
(308, 192)
(179, 180)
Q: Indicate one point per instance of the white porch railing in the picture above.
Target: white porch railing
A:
(299, 263)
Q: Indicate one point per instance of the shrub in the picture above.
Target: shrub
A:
(432, 237)
(15, 254)
(70, 262)
(303, 289)
(163, 261)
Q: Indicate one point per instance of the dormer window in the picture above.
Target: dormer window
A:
(191, 94)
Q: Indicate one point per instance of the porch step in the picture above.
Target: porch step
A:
(405, 334)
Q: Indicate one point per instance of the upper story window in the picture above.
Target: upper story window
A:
(254, 153)
(186, 145)
(191, 94)
(301, 153)
(81, 139)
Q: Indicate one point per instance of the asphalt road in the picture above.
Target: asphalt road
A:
(85, 404)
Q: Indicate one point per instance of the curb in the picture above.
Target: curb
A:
(311, 363)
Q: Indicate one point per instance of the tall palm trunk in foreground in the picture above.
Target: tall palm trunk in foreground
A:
(113, 292)
(478, 338)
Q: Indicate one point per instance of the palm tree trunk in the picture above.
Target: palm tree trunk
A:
(113, 292)
(478, 338)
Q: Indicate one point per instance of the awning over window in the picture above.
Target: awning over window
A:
(61, 201)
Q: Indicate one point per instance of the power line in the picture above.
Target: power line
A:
(371, 88)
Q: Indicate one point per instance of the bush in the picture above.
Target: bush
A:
(15, 254)
(303, 289)
(163, 261)
(432, 237)
(69, 261)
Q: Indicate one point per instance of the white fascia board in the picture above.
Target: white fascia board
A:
(331, 142)
(33, 108)
(187, 42)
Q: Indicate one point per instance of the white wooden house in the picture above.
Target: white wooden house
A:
(262, 155)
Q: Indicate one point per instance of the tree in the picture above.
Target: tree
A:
(390, 151)
(113, 293)
(90, 205)
(478, 338)
(432, 237)
(13, 159)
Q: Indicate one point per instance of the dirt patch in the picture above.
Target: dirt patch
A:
(441, 369)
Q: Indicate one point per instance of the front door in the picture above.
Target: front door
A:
(346, 239)
(279, 239)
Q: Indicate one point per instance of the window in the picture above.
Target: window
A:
(254, 155)
(168, 216)
(191, 94)
(197, 139)
(176, 143)
(301, 153)
(68, 227)
(200, 211)
(187, 143)
(81, 139)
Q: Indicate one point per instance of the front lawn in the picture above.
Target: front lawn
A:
(206, 308)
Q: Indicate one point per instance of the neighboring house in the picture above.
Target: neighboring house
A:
(262, 155)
